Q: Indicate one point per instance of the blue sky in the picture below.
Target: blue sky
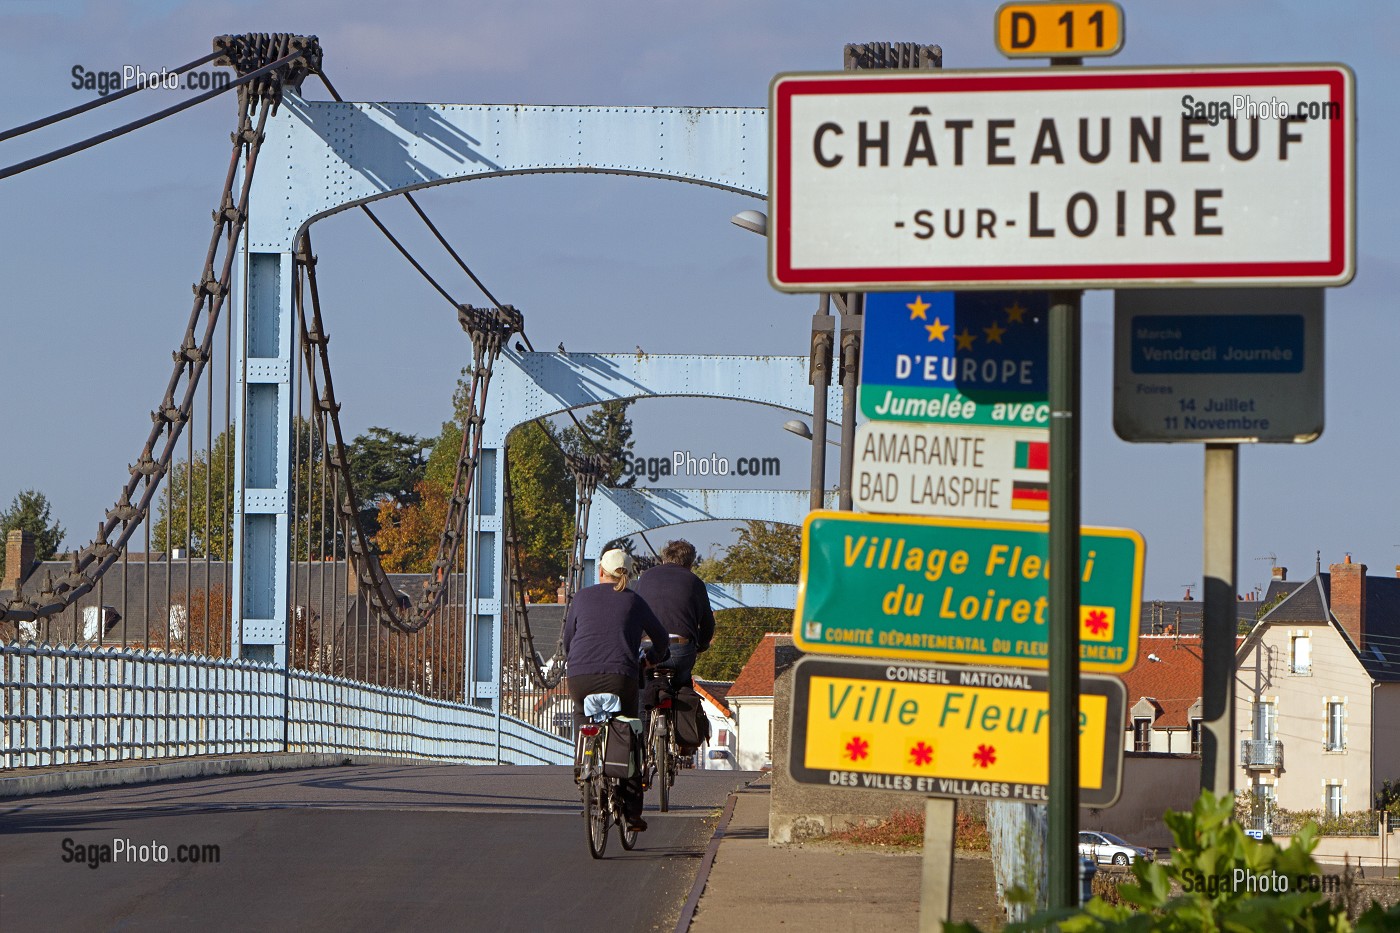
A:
(97, 252)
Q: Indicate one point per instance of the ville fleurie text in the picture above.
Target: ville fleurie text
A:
(947, 731)
(960, 590)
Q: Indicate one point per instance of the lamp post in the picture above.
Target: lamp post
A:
(819, 371)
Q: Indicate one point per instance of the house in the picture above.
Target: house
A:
(751, 699)
(1317, 694)
(720, 752)
(1164, 696)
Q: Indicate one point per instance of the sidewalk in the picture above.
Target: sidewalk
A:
(756, 887)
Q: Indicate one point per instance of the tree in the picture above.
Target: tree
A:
(408, 534)
(766, 552)
(608, 431)
(385, 465)
(205, 479)
(208, 478)
(543, 510)
(30, 511)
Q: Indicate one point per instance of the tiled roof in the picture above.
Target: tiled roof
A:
(719, 689)
(1312, 601)
(756, 679)
(708, 692)
(1173, 681)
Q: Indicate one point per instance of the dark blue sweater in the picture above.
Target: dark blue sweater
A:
(603, 632)
(680, 601)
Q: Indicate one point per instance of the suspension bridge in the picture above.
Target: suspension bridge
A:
(232, 601)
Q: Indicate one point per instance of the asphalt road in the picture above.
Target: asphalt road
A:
(414, 847)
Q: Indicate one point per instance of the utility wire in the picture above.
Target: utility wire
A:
(99, 101)
(583, 431)
(91, 141)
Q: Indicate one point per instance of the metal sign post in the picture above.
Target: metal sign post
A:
(1062, 856)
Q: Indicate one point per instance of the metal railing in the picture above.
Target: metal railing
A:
(1261, 754)
(63, 706)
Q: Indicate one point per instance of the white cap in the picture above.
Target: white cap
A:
(615, 560)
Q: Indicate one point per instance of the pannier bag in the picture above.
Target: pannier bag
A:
(692, 725)
(622, 746)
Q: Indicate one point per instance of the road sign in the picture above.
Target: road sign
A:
(1049, 30)
(973, 592)
(946, 731)
(952, 470)
(1210, 364)
(955, 358)
(1062, 178)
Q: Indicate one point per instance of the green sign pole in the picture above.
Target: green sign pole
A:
(1062, 857)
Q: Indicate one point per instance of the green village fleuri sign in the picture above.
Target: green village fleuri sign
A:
(961, 591)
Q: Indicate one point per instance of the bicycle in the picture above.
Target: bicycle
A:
(662, 754)
(602, 800)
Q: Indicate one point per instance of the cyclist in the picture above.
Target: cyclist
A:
(602, 640)
(680, 600)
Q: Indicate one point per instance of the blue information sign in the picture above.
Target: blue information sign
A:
(1217, 343)
(955, 357)
(1218, 364)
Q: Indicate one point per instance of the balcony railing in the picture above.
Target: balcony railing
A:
(1261, 755)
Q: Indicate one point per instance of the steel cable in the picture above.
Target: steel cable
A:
(55, 155)
(98, 102)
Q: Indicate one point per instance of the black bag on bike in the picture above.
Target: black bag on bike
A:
(692, 725)
(622, 747)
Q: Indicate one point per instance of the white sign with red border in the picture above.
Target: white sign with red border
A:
(1082, 178)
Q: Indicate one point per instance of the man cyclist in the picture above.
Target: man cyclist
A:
(681, 602)
(602, 641)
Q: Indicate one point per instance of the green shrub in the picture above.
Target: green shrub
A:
(1206, 887)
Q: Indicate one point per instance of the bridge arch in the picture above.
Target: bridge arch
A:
(322, 157)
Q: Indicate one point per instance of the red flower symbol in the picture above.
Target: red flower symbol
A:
(858, 748)
(921, 753)
(986, 755)
(1096, 622)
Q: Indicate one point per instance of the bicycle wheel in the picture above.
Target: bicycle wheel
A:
(595, 817)
(661, 747)
(628, 836)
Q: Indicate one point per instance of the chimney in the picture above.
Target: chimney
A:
(19, 559)
(1349, 599)
(1281, 574)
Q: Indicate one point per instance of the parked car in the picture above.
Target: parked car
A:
(1106, 847)
(719, 759)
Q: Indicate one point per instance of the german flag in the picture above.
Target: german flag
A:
(1032, 455)
(1033, 497)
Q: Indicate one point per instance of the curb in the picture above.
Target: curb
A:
(54, 781)
(707, 861)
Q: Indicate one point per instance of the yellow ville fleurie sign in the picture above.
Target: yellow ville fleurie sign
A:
(947, 731)
(961, 590)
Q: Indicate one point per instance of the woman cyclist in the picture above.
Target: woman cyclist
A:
(602, 640)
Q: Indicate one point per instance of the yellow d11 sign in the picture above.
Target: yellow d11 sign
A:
(1052, 30)
(947, 731)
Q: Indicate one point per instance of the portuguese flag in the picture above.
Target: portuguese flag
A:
(1028, 494)
(1032, 455)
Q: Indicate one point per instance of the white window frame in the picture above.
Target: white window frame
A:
(1142, 743)
(1335, 726)
(1270, 718)
(1300, 663)
(1332, 793)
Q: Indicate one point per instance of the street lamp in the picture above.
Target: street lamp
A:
(753, 221)
(799, 428)
(820, 375)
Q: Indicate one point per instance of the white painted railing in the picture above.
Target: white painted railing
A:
(69, 705)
